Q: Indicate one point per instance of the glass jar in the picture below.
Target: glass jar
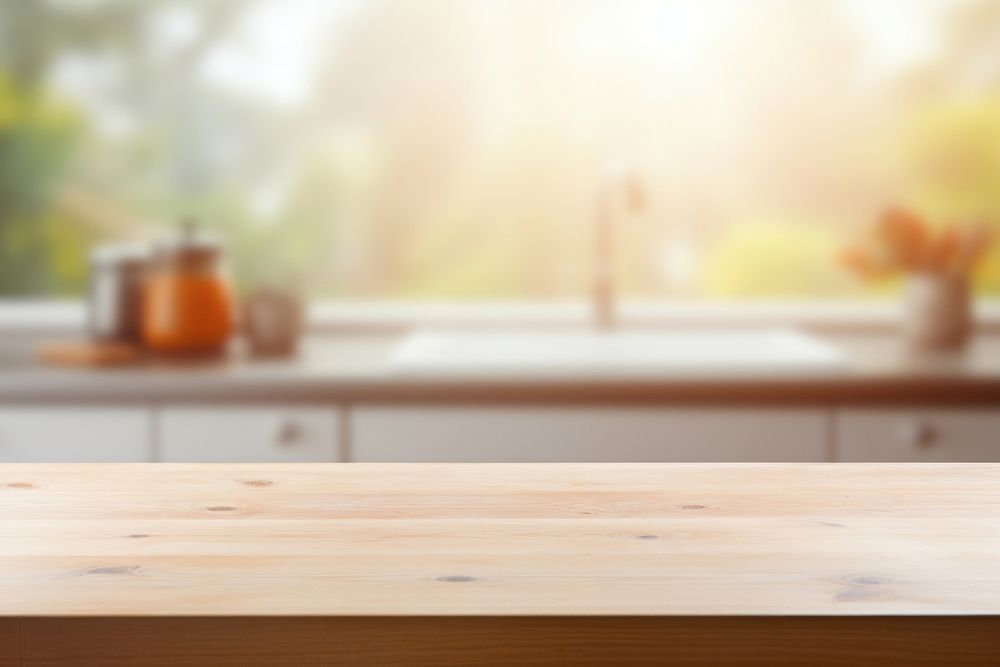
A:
(188, 305)
(115, 294)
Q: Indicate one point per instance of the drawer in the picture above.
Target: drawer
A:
(585, 434)
(52, 434)
(248, 434)
(918, 435)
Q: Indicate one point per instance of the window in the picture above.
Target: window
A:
(457, 149)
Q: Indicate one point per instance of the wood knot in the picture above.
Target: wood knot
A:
(691, 507)
(456, 578)
(258, 482)
(863, 587)
(21, 485)
(221, 508)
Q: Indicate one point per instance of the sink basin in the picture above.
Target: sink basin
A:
(619, 353)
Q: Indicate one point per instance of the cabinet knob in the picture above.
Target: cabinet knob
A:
(289, 432)
(917, 433)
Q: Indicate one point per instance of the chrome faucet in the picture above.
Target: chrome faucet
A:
(620, 190)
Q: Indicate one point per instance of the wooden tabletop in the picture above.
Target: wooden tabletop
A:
(499, 539)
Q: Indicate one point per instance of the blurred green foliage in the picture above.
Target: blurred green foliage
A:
(775, 259)
(951, 157)
(39, 248)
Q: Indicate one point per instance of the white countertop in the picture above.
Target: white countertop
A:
(357, 368)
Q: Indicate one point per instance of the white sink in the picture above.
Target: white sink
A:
(620, 353)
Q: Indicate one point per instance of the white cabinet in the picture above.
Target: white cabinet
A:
(74, 434)
(918, 435)
(248, 433)
(586, 434)
(279, 432)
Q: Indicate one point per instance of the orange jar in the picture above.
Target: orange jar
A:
(188, 306)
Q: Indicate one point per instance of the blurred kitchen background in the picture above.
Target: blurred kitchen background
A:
(499, 230)
(452, 150)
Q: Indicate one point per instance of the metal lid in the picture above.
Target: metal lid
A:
(193, 244)
(109, 255)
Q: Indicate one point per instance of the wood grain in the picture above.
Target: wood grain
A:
(503, 539)
(10, 641)
(482, 641)
(535, 564)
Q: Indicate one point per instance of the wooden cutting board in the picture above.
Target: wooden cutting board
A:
(85, 353)
(504, 563)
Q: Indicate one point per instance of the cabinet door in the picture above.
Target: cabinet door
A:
(585, 434)
(248, 434)
(918, 435)
(72, 434)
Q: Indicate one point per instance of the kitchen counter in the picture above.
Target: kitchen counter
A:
(355, 368)
(500, 564)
